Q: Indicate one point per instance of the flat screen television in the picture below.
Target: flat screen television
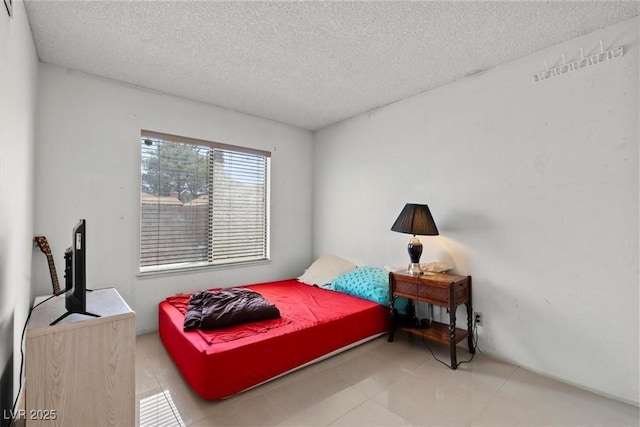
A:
(76, 299)
(75, 273)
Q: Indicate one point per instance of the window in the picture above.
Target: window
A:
(202, 203)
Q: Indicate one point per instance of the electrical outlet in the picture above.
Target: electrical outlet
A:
(478, 318)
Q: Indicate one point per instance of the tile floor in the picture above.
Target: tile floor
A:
(376, 384)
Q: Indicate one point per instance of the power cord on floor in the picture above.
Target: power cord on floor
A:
(24, 329)
(474, 337)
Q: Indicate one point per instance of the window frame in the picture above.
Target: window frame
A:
(194, 266)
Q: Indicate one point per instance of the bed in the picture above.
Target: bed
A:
(314, 323)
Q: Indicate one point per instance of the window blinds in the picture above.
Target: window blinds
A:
(202, 203)
(238, 208)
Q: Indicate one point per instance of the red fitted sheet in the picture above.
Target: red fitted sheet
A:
(314, 322)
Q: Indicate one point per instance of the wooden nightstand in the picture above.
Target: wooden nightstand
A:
(445, 290)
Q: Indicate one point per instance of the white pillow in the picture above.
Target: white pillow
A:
(325, 269)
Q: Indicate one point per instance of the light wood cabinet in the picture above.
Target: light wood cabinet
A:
(81, 371)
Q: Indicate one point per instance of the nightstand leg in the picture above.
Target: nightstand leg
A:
(452, 327)
(391, 319)
(452, 338)
(470, 328)
(472, 348)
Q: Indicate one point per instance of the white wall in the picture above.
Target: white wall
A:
(534, 188)
(18, 74)
(88, 166)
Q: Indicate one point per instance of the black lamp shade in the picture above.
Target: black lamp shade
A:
(415, 219)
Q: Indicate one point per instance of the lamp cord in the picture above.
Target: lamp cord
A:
(474, 337)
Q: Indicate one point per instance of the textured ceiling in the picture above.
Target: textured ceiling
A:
(309, 64)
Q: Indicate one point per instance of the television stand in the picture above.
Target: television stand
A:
(68, 313)
(81, 371)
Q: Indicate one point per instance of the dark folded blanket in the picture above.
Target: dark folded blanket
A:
(227, 307)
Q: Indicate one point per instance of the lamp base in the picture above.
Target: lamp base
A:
(415, 250)
(414, 269)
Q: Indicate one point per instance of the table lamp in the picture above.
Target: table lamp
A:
(417, 220)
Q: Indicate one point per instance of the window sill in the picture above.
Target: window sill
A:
(180, 271)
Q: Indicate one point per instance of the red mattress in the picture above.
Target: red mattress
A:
(313, 323)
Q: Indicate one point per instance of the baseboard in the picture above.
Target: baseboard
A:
(564, 381)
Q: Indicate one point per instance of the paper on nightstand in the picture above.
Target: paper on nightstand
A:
(436, 267)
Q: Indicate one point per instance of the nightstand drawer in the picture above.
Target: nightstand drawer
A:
(415, 290)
